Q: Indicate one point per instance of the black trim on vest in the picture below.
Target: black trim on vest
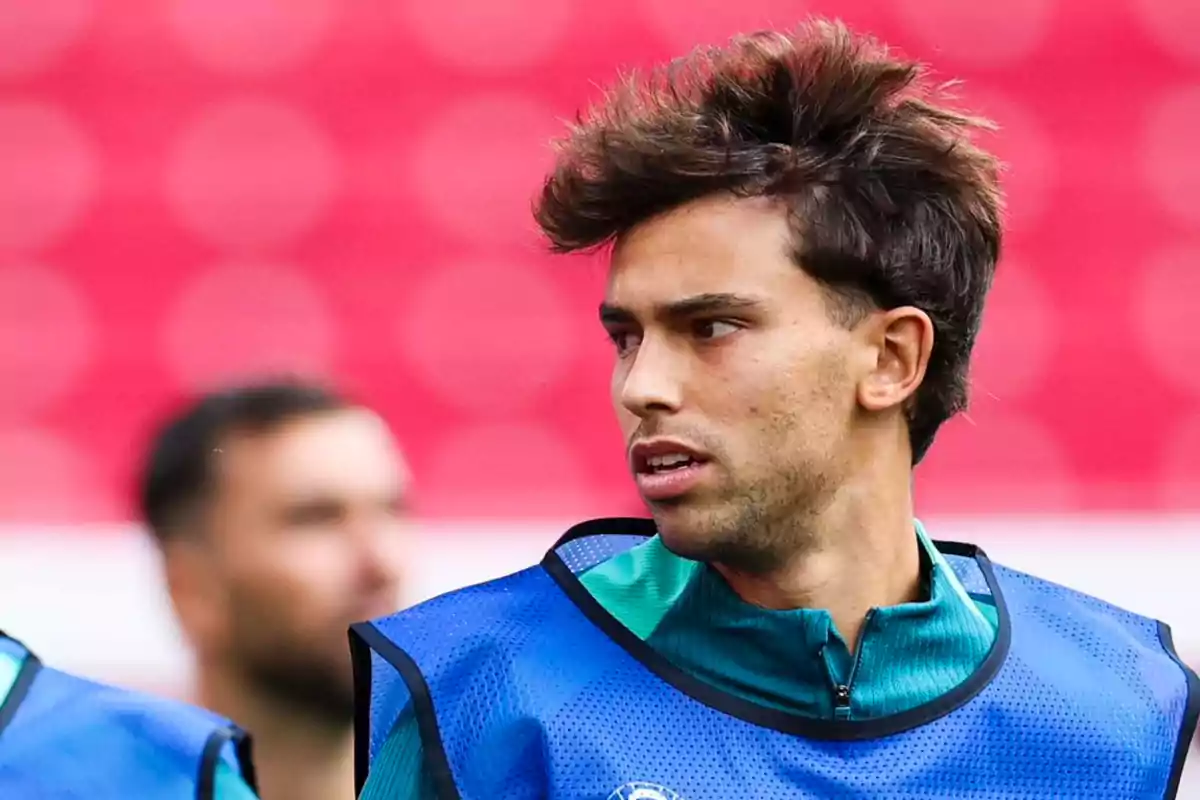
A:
(210, 760)
(360, 667)
(243, 747)
(1191, 712)
(30, 667)
(699, 690)
(365, 637)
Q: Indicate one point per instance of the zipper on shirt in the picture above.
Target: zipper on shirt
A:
(841, 702)
(841, 691)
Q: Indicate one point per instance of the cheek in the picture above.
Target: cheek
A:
(625, 418)
(754, 389)
(786, 399)
(302, 576)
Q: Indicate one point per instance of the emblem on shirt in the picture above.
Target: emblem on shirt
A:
(640, 790)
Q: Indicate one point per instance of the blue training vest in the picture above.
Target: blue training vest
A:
(527, 688)
(67, 738)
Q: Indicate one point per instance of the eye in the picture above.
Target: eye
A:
(624, 341)
(714, 328)
(314, 513)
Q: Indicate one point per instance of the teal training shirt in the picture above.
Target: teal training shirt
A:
(908, 654)
(229, 785)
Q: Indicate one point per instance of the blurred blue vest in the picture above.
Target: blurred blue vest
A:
(66, 738)
(526, 687)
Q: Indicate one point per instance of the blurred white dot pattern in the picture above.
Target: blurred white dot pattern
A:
(1166, 315)
(44, 479)
(500, 460)
(48, 173)
(1027, 155)
(1181, 464)
(1023, 458)
(251, 173)
(488, 336)
(251, 37)
(1018, 319)
(468, 34)
(478, 165)
(239, 320)
(46, 337)
(197, 190)
(1172, 169)
(34, 33)
(684, 25)
(984, 34)
(1173, 24)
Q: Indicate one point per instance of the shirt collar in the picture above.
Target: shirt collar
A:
(714, 634)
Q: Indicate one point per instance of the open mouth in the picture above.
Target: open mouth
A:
(657, 465)
(667, 471)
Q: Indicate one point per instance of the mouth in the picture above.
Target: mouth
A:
(656, 456)
(666, 470)
(657, 465)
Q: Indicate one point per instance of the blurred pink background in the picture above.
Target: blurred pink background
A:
(197, 190)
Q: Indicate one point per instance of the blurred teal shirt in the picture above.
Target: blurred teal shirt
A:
(229, 785)
(910, 654)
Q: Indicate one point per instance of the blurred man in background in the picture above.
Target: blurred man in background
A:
(279, 509)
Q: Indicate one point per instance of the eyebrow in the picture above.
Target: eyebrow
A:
(707, 303)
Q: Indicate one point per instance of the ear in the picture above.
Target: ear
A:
(902, 339)
(192, 584)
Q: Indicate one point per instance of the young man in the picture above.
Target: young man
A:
(802, 241)
(62, 736)
(279, 509)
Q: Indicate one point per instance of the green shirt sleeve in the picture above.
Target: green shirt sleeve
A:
(398, 772)
(230, 785)
(10, 667)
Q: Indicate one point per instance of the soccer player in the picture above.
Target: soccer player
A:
(802, 237)
(279, 508)
(63, 736)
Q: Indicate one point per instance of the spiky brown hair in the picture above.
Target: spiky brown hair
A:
(890, 202)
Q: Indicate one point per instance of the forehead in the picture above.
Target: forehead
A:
(340, 453)
(713, 245)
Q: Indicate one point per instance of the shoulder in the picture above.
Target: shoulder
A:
(1068, 609)
(618, 562)
(1033, 602)
(1070, 627)
(640, 585)
(471, 608)
(69, 708)
(67, 730)
(118, 704)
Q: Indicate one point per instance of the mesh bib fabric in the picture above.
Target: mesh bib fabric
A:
(66, 738)
(524, 688)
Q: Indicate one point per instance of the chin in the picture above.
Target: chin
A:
(685, 532)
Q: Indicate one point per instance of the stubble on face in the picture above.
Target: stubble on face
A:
(772, 403)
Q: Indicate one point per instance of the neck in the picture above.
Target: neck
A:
(296, 756)
(859, 552)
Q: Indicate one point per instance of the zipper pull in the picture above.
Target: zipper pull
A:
(841, 702)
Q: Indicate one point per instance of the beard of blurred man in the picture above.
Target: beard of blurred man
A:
(301, 534)
(288, 665)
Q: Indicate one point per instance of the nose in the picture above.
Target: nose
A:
(652, 381)
(381, 548)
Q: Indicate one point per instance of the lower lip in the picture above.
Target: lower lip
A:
(671, 484)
